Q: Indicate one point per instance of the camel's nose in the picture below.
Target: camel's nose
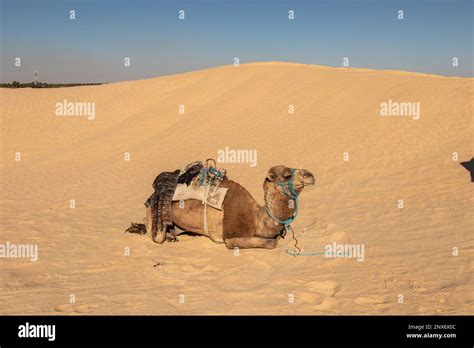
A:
(308, 178)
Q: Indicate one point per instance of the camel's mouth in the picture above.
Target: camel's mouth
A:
(306, 179)
(299, 188)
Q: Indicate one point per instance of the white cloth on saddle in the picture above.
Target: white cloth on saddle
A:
(215, 200)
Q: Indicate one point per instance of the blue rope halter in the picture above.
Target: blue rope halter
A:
(292, 194)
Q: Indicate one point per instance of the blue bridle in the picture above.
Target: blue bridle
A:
(292, 194)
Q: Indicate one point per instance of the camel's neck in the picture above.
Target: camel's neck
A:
(280, 206)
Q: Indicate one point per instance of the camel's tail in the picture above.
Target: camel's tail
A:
(136, 228)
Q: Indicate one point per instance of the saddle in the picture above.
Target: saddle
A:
(196, 181)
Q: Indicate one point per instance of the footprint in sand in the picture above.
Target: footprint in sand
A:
(63, 308)
(325, 287)
(309, 297)
(256, 275)
(376, 302)
(70, 308)
(341, 237)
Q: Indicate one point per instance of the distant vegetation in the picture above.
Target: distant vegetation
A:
(16, 84)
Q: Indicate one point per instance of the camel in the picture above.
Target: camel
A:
(242, 223)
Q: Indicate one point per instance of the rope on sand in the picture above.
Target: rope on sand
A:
(295, 253)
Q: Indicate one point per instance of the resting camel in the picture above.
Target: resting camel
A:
(242, 222)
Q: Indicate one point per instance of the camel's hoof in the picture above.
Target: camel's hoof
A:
(172, 239)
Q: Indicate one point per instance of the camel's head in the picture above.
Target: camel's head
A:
(288, 180)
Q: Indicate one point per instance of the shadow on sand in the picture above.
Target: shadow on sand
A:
(469, 167)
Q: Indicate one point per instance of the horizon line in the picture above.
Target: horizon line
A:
(271, 62)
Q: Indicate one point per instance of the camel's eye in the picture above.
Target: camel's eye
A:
(287, 176)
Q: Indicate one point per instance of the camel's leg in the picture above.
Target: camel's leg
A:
(251, 242)
(171, 235)
(160, 236)
(176, 232)
(171, 238)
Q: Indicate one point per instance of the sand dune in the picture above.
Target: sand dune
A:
(408, 251)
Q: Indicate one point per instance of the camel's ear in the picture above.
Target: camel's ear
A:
(271, 177)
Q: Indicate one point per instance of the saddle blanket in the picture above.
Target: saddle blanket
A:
(215, 200)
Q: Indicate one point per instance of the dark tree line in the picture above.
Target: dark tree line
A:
(16, 84)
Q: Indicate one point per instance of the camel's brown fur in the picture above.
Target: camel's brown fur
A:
(239, 212)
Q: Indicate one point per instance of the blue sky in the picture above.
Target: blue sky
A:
(92, 47)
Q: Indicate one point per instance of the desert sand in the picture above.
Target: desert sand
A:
(82, 250)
